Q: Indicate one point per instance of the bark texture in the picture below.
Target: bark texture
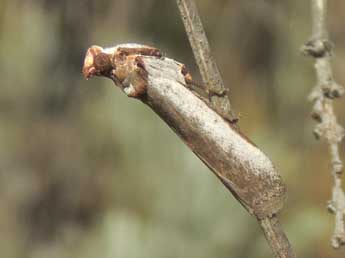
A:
(323, 94)
(208, 68)
(276, 238)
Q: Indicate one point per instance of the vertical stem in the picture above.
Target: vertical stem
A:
(323, 95)
(319, 11)
(276, 237)
(204, 59)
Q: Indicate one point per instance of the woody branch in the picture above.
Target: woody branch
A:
(323, 95)
(207, 66)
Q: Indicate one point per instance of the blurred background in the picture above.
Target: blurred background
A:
(87, 172)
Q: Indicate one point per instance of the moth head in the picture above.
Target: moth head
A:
(96, 62)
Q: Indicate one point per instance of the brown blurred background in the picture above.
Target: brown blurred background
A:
(86, 172)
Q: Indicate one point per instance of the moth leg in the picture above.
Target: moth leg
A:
(135, 84)
(187, 76)
(209, 93)
(217, 92)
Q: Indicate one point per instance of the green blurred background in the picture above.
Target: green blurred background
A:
(87, 172)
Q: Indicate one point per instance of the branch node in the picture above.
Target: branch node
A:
(338, 240)
(333, 90)
(317, 132)
(338, 168)
(317, 48)
(330, 207)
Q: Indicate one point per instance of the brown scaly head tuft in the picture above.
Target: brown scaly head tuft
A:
(102, 63)
(89, 68)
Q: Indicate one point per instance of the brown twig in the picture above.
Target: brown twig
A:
(212, 78)
(204, 59)
(322, 96)
(276, 237)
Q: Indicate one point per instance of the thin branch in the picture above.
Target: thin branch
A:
(276, 237)
(202, 53)
(322, 96)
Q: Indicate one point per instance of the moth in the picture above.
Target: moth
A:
(119, 62)
(124, 65)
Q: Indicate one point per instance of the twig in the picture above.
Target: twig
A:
(322, 96)
(202, 53)
(276, 237)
